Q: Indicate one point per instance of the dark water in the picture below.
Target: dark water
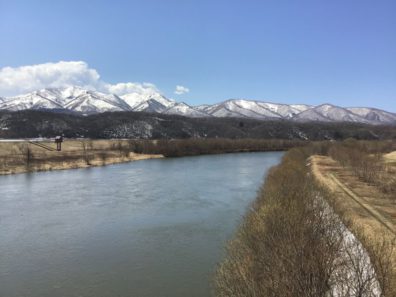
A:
(149, 228)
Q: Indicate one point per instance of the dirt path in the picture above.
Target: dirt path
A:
(365, 205)
(370, 214)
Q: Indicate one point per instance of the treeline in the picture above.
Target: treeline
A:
(192, 147)
(291, 243)
(140, 125)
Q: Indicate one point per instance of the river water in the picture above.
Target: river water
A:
(149, 228)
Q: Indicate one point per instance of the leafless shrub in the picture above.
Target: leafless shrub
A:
(27, 154)
(86, 147)
(365, 160)
(200, 146)
(292, 243)
(382, 249)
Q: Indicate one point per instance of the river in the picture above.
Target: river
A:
(154, 228)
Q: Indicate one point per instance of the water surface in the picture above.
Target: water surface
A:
(148, 228)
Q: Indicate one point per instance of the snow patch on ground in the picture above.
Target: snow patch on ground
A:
(353, 271)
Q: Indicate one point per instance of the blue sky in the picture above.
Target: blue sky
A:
(341, 52)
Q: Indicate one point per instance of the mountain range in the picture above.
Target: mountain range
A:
(77, 99)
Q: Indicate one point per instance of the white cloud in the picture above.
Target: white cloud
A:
(18, 80)
(180, 90)
(129, 87)
(28, 78)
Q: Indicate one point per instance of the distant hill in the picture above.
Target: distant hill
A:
(34, 123)
(84, 101)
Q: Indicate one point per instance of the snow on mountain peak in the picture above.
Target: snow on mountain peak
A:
(136, 99)
(78, 99)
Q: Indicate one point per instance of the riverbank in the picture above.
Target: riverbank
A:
(296, 240)
(368, 209)
(20, 156)
(30, 156)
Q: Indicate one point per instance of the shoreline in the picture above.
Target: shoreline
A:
(98, 162)
(78, 163)
(303, 219)
(22, 156)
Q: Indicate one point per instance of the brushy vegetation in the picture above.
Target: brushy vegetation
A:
(365, 160)
(292, 243)
(193, 147)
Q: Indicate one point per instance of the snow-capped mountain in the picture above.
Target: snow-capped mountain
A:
(330, 113)
(87, 102)
(93, 102)
(240, 108)
(252, 109)
(155, 102)
(71, 98)
(373, 114)
(184, 109)
(150, 101)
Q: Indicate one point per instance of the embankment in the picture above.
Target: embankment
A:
(294, 242)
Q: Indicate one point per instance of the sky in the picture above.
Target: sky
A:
(205, 51)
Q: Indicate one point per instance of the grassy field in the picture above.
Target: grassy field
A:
(29, 156)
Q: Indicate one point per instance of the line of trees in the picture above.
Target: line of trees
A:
(201, 146)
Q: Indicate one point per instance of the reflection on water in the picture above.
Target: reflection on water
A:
(148, 228)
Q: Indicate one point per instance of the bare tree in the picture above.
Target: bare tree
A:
(293, 243)
(86, 146)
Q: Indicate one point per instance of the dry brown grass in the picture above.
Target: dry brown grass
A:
(370, 213)
(366, 161)
(390, 157)
(22, 156)
(323, 167)
(291, 243)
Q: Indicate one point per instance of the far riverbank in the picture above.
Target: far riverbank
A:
(24, 156)
(21, 156)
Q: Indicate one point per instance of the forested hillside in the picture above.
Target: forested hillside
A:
(30, 123)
